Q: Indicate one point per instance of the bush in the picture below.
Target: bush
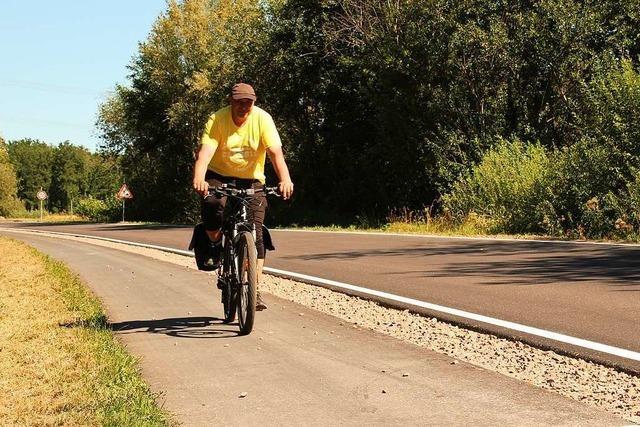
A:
(99, 210)
(508, 186)
(12, 207)
(589, 189)
(613, 109)
(580, 173)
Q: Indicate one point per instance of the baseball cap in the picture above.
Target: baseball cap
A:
(242, 91)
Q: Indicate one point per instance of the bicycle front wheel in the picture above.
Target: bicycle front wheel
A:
(247, 280)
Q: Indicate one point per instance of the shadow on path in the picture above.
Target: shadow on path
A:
(182, 327)
(502, 263)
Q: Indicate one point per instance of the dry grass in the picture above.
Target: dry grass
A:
(59, 364)
(47, 217)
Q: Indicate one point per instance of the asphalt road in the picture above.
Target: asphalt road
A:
(582, 290)
(298, 367)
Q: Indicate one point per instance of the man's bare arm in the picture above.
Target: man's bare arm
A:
(205, 153)
(277, 159)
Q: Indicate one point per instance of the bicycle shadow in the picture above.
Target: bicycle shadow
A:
(181, 327)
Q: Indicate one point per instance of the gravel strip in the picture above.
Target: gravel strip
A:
(595, 385)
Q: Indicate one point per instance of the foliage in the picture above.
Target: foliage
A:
(181, 74)
(9, 203)
(67, 172)
(588, 189)
(507, 186)
(104, 176)
(69, 176)
(383, 104)
(107, 210)
(602, 166)
(32, 160)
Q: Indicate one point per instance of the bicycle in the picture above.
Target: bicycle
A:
(238, 275)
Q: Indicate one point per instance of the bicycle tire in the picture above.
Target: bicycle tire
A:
(229, 302)
(247, 281)
(228, 289)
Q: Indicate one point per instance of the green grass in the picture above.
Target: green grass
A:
(60, 363)
(122, 398)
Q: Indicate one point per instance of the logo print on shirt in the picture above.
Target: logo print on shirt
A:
(241, 153)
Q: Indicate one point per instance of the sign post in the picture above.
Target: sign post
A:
(123, 194)
(42, 196)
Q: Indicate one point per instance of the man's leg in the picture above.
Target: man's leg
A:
(212, 216)
(257, 210)
(260, 266)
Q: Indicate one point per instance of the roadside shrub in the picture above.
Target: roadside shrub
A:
(593, 182)
(628, 205)
(581, 173)
(508, 185)
(99, 210)
(12, 208)
(592, 195)
(624, 218)
(612, 100)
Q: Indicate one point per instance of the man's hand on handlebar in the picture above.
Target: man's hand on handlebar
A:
(201, 187)
(286, 189)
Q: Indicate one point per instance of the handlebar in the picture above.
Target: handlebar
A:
(227, 190)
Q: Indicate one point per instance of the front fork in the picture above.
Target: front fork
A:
(236, 257)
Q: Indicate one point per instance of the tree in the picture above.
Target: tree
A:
(9, 203)
(32, 161)
(104, 176)
(181, 73)
(380, 103)
(69, 178)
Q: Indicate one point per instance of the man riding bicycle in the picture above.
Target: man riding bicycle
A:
(233, 150)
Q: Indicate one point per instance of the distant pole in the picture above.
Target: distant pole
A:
(42, 196)
(124, 194)
(39, 195)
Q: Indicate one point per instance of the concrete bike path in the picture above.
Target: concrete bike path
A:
(298, 367)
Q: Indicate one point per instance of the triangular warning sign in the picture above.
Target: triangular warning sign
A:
(124, 193)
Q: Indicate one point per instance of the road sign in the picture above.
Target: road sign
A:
(124, 192)
(41, 195)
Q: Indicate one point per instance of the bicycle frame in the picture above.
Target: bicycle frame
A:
(232, 225)
(237, 277)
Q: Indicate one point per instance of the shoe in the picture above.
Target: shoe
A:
(260, 305)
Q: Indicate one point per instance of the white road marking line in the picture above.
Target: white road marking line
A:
(567, 339)
(616, 351)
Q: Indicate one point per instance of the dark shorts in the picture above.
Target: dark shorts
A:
(212, 208)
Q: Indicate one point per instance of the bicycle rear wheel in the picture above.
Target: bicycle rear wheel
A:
(228, 288)
(229, 302)
(247, 280)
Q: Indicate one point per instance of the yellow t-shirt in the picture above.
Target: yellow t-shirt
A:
(240, 151)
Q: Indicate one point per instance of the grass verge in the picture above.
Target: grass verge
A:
(469, 228)
(47, 217)
(59, 362)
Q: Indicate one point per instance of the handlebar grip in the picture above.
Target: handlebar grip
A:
(272, 191)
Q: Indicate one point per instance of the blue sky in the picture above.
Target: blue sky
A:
(60, 59)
